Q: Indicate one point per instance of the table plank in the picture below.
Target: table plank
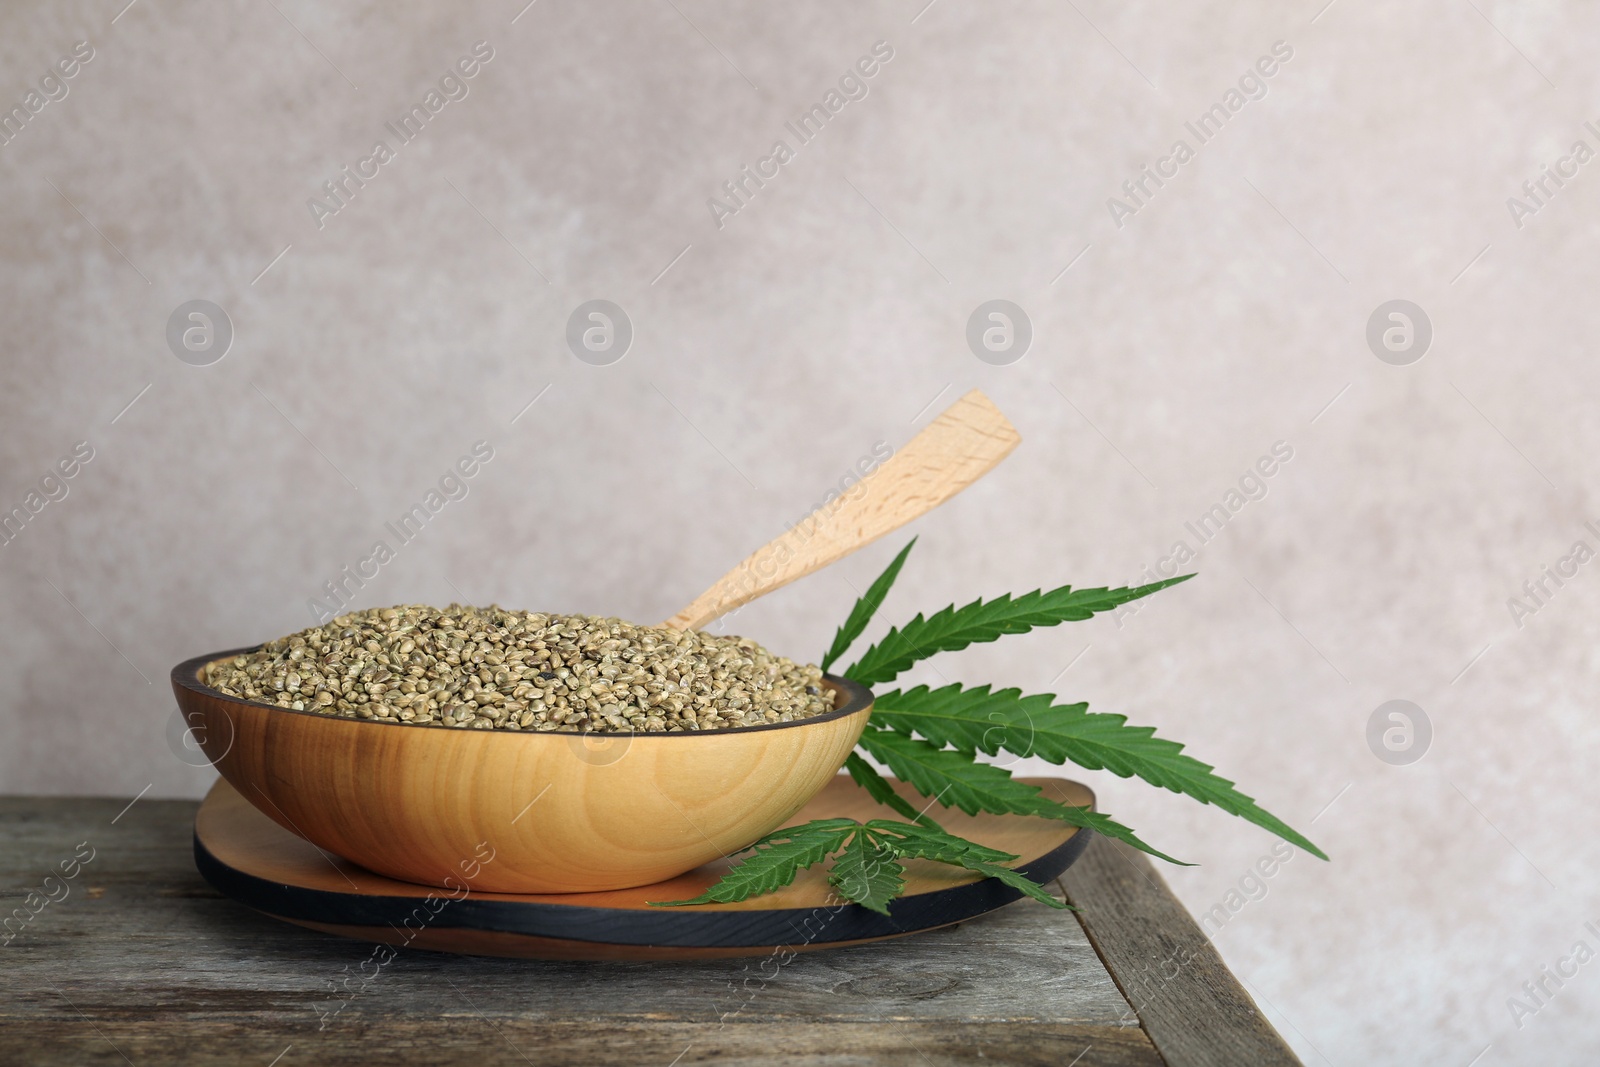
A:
(141, 959)
(1188, 1001)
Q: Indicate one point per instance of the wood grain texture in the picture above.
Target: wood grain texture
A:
(142, 959)
(1186, 999)
(252, 859)
(560, 812)
(963, 444)
(464, 1035)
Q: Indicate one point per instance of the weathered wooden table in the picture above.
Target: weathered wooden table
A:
(127, 956)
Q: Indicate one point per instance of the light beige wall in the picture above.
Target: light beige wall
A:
(1227, 314)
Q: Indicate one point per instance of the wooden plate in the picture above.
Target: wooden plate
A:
(252, 859)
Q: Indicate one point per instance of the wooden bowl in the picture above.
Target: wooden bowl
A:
(510, 812)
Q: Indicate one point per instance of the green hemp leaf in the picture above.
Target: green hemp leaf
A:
(986, 620)
(865, 608)
(776, 859)
(932, 740)
(971, 720)
(867, 870)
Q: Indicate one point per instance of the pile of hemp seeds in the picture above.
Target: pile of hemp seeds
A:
(494, 669)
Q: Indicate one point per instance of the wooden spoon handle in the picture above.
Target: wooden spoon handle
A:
(955, 450)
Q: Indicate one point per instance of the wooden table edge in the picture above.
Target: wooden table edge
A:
(1186, 999)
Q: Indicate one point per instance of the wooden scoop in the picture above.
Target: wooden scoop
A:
(955, 450)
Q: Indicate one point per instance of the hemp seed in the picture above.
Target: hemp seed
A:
(494, 669)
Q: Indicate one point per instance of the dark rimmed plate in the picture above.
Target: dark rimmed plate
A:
(252, 859)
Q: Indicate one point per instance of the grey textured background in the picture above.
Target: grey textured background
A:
(829, 314)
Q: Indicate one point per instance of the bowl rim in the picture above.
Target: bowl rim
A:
(186, 675)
